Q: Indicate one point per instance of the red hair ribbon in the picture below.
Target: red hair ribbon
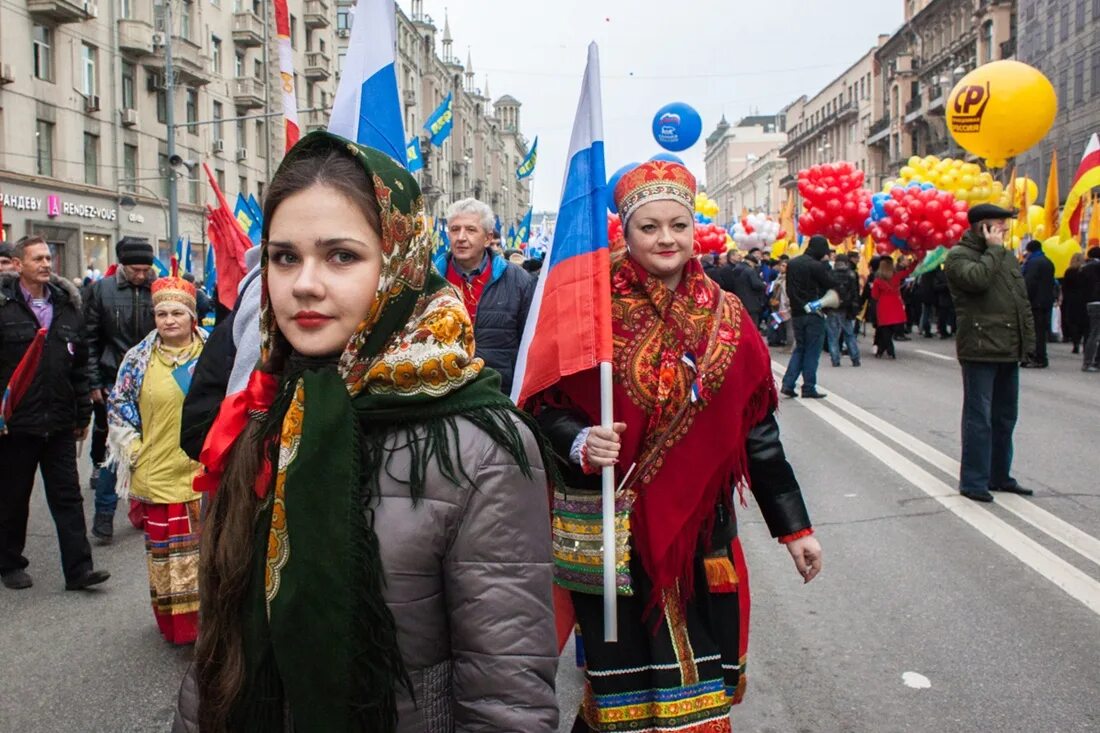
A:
(228, 426)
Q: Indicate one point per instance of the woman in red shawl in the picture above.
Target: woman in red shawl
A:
(694, 393)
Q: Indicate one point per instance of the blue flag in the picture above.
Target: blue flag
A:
(412, 153)
(159, 268)
(440, 123)
(183, 254)
(524, 230)
(366, 108)
(511, 236)
(248, 217)
(209, 273)
(527, 167)
(496, 224)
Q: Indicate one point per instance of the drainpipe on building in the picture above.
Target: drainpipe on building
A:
(267, 103)
(116, 122)
(170, 120)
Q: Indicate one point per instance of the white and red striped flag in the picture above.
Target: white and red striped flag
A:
(286, 72)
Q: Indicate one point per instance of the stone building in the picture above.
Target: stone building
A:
(833, 124)
(1063, 41)
(83, 103)
(939, 43)
(740, 159)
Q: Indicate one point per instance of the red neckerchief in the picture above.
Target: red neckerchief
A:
(471, 289)
(231, 421)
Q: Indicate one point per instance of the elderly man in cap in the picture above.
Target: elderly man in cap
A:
(117, 314)
(995, 333)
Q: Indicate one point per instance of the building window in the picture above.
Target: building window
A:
(260, 192)
(1063, 24)
(238, 65)
(987, 41)
(1096, 64)
(293, 32)
(43, 134)
(261, 139)
(216, 54)
(218, 133)
(165, 171)
(242, 184)
(192, 110)
(1079, 82)
(321, 45)
(258, 70)
(91, 159)
(129, 98)
(343, 19)
(185, 21)
(193, 185)
(126, 8)
(242, 142)
(309, 94)
(129, 163)
(87, 69)
(43, 53)
(219, 175)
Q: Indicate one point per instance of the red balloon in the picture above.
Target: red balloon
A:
(901, 231)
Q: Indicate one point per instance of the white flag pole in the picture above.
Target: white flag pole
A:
(610, 595)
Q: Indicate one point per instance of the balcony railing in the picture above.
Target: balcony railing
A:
(880, 130)
(936, 95)
(788, 180)
(316, 14)
(914, 105)
(248, 29)
(135, 37)
(62, 11)
(318, 66)
(1008, 48)
(248, 93)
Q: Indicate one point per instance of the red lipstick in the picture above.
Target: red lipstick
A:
(311, 319)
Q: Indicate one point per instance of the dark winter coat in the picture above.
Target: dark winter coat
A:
(1075, 318)
(992, 310)
(1090, 274)
(750, 288)
(58, 399)
(808, 278)
(501, 315)
(1039, 278)
(117, 315)
(846, 285)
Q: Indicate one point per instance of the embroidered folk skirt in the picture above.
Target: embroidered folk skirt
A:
(172, 554)
(687, 675)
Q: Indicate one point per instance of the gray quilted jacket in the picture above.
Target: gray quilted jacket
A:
(468, 580)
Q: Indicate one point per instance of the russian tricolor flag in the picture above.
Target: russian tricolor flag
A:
(569, 324)
(367, 109)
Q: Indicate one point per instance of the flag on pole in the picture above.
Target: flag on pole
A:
(568, 326)
(251, 224)
(286, 72)
(527, 167)
(510, 242)
(160, 268)
(209, 272)
(183, 253)
(524, 231)
(229, 243)
(257, 210)
(366, 108)
(413, 157)
(1050, 203)
(440, 123)
(1086, 178)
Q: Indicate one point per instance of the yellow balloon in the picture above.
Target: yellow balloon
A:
(1001, 109)
(914, 161)
(1060, 252)
(778, 248)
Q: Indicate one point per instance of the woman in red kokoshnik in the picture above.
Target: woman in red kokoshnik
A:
(694, 394)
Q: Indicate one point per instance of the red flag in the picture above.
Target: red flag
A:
(229, 243)
(21, 378)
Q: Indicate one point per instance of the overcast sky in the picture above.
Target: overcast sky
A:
(735, 57)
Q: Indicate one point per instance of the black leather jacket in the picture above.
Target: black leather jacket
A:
(117, 316)
(773, 482)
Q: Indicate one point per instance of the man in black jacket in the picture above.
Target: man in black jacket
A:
(808, 279)
(1039, 278)
(496, 292)
(118, 315)
(840, 322)
(1090, 273)
(749, 286)
(40, 345)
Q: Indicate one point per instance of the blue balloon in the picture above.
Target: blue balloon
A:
(614, 181)
(677, 126)
(899, 243)
(668, 158)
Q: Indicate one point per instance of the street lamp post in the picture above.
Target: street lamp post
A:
(170, 122)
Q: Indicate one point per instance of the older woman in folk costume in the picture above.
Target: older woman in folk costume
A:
(143, 417)
(694, 392)
(376, 557)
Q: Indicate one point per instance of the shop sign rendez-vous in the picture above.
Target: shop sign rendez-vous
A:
(56, 207)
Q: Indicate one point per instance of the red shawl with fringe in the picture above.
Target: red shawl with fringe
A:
(692, 377)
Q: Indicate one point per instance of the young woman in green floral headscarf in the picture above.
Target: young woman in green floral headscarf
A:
(377, 550)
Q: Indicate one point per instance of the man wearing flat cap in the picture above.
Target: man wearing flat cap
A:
(118, 314)
(995, 333)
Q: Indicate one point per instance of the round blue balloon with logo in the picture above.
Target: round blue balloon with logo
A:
(614, 181)
(677, 126)
(668, 158)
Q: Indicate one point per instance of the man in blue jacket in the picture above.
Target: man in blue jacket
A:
(496, 293)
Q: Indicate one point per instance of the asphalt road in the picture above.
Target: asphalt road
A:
(932, 613)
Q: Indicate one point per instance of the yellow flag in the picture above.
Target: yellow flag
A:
(1050, 203)
(1093, 236)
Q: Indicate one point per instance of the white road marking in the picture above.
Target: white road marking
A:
(1075, 583)
(916, 680)
(1075, 539)
(934, 355)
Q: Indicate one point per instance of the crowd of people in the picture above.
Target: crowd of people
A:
(348, 517)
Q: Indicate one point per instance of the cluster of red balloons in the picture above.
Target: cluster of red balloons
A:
(709, 238)
(836, 204)
(917, 220)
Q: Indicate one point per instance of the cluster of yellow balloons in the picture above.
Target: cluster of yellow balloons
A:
(966, 181)
(1060, 251)
(705, 205)
(1034, 224)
